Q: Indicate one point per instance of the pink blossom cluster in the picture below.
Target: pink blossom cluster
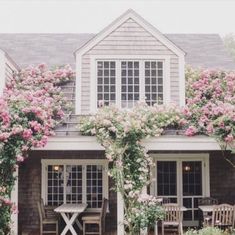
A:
(211, 103)
(31, 106)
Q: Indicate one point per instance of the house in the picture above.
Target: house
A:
(127, 61)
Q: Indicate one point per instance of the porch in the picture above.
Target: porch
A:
(206, 165)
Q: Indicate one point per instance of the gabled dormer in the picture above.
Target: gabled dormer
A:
(128, 61)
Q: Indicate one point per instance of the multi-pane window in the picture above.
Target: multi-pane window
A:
(55, 189)
(125, 82)
(130, 90)
(73, 184)
(106, 82)
(69, 183)
(154, 82)
(94, 186)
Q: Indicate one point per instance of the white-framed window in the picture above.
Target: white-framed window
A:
(124, 81)
(106, 82)
(153, 82)
(74, 181)
(130, 83)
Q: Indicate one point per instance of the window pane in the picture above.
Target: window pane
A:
(106, 79)
(73, 184)
(94, 186)
(130, 83)
(154, 82)
(166, 178)
(55, 188)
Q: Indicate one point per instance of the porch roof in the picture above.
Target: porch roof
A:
(161, 143)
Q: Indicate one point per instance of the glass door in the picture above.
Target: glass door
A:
(181, 181)
(192, 190)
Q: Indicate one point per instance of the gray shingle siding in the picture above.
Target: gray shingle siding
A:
(203, 50)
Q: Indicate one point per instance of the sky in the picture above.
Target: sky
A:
(91, 16)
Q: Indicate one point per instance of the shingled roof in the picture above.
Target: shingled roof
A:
(203, 50)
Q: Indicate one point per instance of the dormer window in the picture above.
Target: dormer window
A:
(106, 82)
(125, 82)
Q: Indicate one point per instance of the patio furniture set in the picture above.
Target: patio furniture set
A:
(214, 214)
(222, 215)
(70, 214)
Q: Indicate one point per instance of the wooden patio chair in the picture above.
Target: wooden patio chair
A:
(223, 215)
(173, 217)
(96, 218)
(206, 217)
(45, 221)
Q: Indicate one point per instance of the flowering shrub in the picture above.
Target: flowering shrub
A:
(29, 110)
(211, 104)
(209, 231)
(121, 132)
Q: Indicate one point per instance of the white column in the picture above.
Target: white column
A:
(2, 71)
(120, 214)
(14, 199)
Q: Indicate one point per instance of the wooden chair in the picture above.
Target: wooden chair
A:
(223, 215)
(96, 218)
(173, 217)
(206, 217)
(44, 220)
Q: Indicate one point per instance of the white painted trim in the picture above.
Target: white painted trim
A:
(78, 94)
(93, 86)
(14, 199)
(83, 163)
(117, 59)
(182, 81)
(161, 143)
(130, 14)
(166, 81)
(120, 214)
(180, 142)
(2, 71)
(43, 182)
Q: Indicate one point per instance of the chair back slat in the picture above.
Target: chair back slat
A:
(223, 215)
(207, 201)
(172, 212)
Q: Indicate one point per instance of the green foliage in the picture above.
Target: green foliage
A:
(209, 231)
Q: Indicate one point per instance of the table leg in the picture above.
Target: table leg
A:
(69, 223)
(78, 224)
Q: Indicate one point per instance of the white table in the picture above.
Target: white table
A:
(206, 209)
(182, 209)
(70, 212)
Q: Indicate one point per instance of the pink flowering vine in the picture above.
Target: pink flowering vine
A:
(31, 106)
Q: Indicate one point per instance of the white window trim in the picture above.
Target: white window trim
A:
(118, 58)
(179, 157)
(103, 162)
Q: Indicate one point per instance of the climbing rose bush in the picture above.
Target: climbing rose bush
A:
(121, 133)
(210, 102)
(31, 106)
(209, 110)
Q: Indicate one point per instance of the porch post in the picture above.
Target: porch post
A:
(14, 199)
(120, 214)
(144, 231)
